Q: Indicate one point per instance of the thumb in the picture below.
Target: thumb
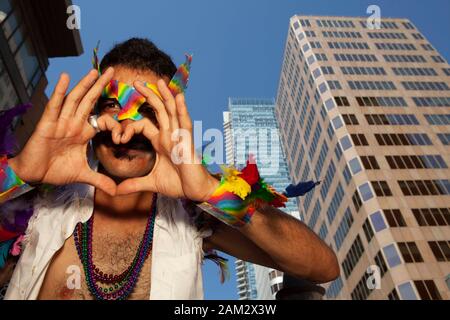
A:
(99, 181)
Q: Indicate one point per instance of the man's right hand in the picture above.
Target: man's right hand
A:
(56, 153)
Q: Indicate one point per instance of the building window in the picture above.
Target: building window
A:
(392, 257)
(402, 139)
(347, 175)
(365, 191)
(370, 71)
(381, 188)
(342, 101)
(429, 217)
(357, 202)
(441, 250)
(334, 288)
(361, 291)
(410, 252)
(393, 295)
(323, 231)
(391, 119)
(343, 228)
(359, 139)
(403, 58)
(381, 263)
(8, 94)
(327, 70)
(352, 257)
(355, 166)
(370, 163)
(424, 187)
(377, 221)
(416, 162)
(345, 143)
(371, 85)
(368, 231)
(329, 104)
(414, 72)
(406, 291)
(438, 119)
(425, 86)
(432, 101)
(337, 122)
(381, 102)
(445, 138)
(438, 59)
(350, 119)
(427, 290)
(394, 218)
(334, 85)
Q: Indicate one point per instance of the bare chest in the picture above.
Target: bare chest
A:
(65, 278)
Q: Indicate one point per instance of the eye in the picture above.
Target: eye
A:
(148, 112)
(109, 106)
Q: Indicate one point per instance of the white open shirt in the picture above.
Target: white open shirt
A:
(177, 253)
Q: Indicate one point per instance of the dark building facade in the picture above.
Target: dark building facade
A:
(31, 32)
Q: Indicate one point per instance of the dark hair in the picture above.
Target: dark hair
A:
(141, 54)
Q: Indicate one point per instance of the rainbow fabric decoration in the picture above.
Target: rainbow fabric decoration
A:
(179, 81)
(128, 97)
(10, 184)
(239, 194)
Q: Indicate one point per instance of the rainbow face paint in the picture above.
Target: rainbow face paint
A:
(128, 97)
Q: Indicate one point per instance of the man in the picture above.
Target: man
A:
(135, 253)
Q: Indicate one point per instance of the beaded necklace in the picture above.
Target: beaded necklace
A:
(114, 287)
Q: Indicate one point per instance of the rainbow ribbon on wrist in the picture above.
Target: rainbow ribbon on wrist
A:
(11, 185)
(239, 194)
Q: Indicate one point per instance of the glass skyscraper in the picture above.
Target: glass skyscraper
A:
(250, 127)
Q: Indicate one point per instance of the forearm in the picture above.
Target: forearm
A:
(291, 245)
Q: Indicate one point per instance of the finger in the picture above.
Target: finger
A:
(170, 104)
(53, 107)
(183, 115)
(155, 102)
(99, 181)
(107, 123)
(135, 185)
(77, 93)
(90, 99)
(145, 127)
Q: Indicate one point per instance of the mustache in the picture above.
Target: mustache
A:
(137, 142)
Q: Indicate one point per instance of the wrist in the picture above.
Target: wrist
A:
(14, 164)
(212, 186)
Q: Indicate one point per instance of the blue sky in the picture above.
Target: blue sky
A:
(237, 46)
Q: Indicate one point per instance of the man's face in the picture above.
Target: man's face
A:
(137, 157)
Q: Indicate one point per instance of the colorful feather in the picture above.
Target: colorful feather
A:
(8, 144)
(221, 262)
(5, 248)
(95, 61)
(300, 189)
